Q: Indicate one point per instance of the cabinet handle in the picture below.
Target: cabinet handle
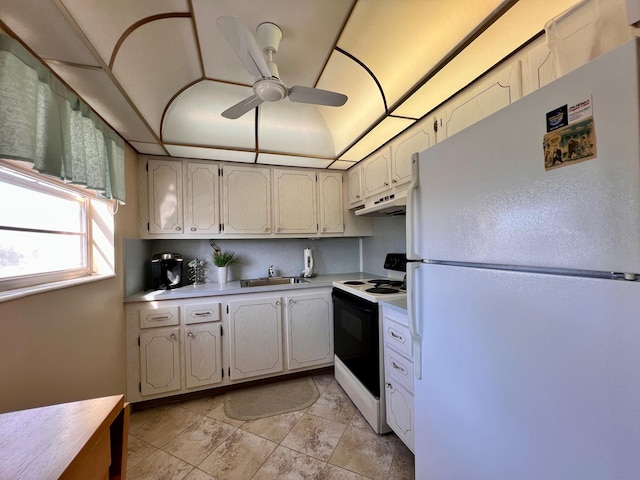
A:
(324, 229)
(388, 385)
(193, 229)
(173, 336)
(158, 317)
(278, 302)
(398, 367)
(178, 229)
(291, 302)
(394, 181)
(190, 334)
(279, 229)
(267, 229)
(206, 313)
(357, 196)
(386, 184)
(396, 336)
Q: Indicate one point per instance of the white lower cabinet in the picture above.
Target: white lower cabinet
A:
(398, 370)
(255, 337)
(160, 360)
(203, 355)
(181, 346)
(309, 330)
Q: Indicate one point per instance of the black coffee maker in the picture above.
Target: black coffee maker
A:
(166, 271)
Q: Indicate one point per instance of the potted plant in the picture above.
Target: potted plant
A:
(223, 260)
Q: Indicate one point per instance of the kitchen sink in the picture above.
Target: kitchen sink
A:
(266, 281)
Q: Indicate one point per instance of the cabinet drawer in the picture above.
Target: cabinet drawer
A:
(397, 336)
(398, 368)
(159, 317)
(205, 312)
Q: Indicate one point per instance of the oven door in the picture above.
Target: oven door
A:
(356, 338)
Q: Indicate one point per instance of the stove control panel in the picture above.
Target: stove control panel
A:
(396, 261)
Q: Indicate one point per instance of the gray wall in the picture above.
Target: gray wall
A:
(388, 237)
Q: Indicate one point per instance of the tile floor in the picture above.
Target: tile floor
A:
(330, 440)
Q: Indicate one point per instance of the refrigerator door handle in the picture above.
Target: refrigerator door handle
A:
(414, 315)
(411, 221)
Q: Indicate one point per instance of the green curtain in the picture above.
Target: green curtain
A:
(43, 122)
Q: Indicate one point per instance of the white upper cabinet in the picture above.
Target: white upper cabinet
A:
(294, 201)
(354, 177)
(201, 198)
(331, 218)
(165, 196)
(246, 200)
(407, 145)
(376, 173)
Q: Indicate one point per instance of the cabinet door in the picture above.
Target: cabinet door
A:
(255, 337)
(401, 153)
(330, 202)
(165, 196)
(400, 413)
(203, 355)
(354, 177)
(376, 174)
(201, 198)
(159, 360)
(246, 200)
(294, 201)
(309, 321)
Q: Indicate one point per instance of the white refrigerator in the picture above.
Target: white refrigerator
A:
(524, 231)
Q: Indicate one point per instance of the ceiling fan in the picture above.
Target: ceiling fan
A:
(268, 87)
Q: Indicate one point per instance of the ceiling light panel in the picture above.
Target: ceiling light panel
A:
(90, 15)
(522, 22)
(155, 62)
(148, 148)
(365, 103)
(194, 117)
(47, 32)
(292, 161)
(295, 128)
(402, 40)
(382, 133)
(211, 153)
(341, 165)
(97, 89)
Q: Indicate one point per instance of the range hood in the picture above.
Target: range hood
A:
(387, 206)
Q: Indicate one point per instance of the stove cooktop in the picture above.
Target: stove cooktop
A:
(373, 290)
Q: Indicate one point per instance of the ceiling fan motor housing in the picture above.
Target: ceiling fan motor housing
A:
(269, 36)
(270, 89)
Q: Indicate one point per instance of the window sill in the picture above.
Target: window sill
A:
(27, 291)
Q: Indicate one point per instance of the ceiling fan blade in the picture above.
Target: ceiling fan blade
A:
(245, 45)
(242, 107)
(316, 96)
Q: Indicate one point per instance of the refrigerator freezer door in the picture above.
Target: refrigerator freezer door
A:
(484, 195)
(527, 376)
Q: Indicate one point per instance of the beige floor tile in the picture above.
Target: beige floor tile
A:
(159, 466)
(203, 404)
(315, 436)
(403, 464)
(238, 457)
(331, 472)
(358, 421)
(198, 475)
(200, 439)
(323, 381)
(218, 413)
(162, 428)
(273, 428)
(137, 450)
(141, 417)
(365, 452)
(288, 464)
(333, 404)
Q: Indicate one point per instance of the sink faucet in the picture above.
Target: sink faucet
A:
(272, 272)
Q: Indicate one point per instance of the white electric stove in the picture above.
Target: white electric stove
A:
(358, 341)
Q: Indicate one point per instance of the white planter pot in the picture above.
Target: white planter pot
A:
(223, 273)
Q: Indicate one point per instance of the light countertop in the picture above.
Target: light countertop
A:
(234, 288)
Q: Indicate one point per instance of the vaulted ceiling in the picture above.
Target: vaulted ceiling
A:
(160, 72)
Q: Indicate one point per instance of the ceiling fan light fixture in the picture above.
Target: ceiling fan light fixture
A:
(270, 89)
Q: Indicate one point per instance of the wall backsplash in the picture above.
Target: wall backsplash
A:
(330, 255)
(389, 236)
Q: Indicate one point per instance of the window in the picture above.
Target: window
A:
(48, 231)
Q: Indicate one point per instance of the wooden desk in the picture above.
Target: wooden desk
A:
(83, 440)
